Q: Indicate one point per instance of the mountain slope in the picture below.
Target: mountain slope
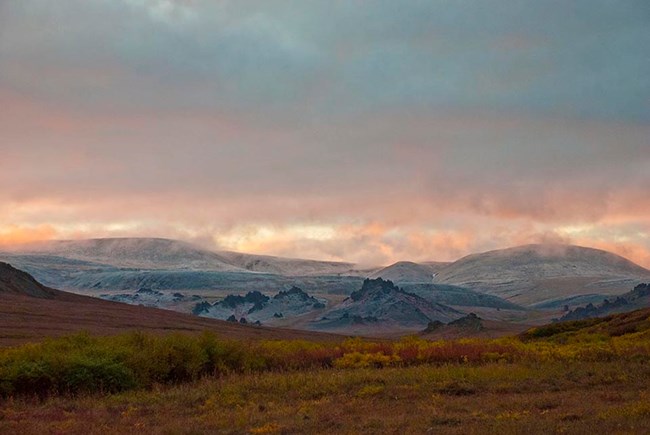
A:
(459, 296)
(162, 264)
(155, 253)
(141, 253)
(636, 299)
(287, 266)
(534, 273)
(404, 272)
(379, 304)
(17, 282)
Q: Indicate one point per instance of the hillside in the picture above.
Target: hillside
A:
(288, 266)
(404, 272)
(30, 312)
(155, 253)
(613, 325)
(569, 302)
(472, 326)
(636, 299)
(162, 264)
(535, 273)
(16, 282)
(139, 253)
(459, 296)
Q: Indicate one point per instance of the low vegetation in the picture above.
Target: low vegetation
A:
(177, 383)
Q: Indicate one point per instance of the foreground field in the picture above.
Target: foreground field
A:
(577, 377)
(600, 397)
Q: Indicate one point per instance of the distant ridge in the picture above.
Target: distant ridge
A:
(534, 273)
(638, 298)
(404, 272)
(524, 275)
(288, 266)
(146, 253)
(160, 253)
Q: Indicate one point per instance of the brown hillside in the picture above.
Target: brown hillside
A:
(17, 282)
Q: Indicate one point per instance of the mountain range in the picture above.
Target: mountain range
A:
(530, 275)
(534, 273)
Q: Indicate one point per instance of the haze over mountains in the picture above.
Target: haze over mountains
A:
(133, 263)
(534, 273)
(503, 285)
(528, 274)
(156, 253)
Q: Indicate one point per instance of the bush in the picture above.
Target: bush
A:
(32, 378)
(89, 375)
(358, 360)
(85, 364)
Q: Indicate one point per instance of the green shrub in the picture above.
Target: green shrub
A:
(89, 375)
(34, 378)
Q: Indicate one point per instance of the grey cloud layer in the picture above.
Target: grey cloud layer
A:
(580, 58)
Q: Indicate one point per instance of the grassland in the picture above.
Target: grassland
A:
(578, 377)
(25, 319)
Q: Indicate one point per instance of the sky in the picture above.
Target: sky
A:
(364, 131)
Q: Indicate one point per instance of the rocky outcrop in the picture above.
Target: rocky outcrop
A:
(639, 297)
(380, 302)
(470, 322)
(255, 306)
(147, 297)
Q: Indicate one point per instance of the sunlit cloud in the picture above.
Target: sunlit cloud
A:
(331, 130)
(13, 235)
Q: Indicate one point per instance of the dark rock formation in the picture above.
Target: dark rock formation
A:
(200, 308)
(433, 326)
(293, 291)
(639, 297)
(470, 321)
(381, 301)
(255, 297)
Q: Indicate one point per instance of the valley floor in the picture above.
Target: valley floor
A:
(550, 397)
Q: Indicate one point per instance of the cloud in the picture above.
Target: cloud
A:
(13, 235)
(423, 130)
(585, 59)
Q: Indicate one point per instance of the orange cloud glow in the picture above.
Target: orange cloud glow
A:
(12, 235)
